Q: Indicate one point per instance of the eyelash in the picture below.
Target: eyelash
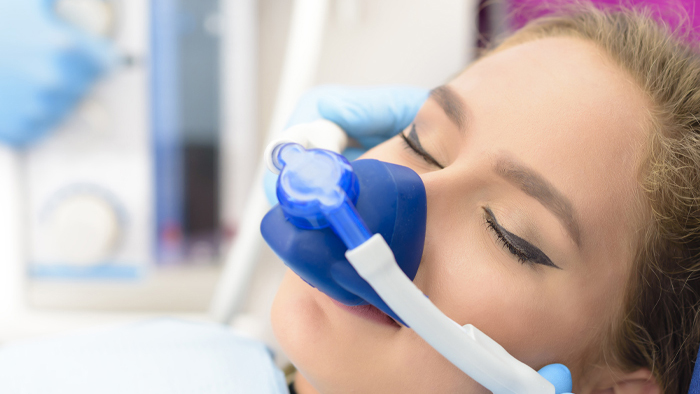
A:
(412, 147)
(519, 254)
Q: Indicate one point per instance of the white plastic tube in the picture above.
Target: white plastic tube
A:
(307, 27)
(472, 351)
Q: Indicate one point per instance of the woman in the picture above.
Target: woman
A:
(562, 172)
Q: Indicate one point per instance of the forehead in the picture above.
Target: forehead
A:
(562, 106)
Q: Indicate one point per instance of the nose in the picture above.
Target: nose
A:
(453, 195)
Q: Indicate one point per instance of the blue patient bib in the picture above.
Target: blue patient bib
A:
(164, 356)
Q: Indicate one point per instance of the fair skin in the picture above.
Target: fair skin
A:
(542, 140)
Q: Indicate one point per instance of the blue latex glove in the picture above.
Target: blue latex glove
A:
(370, 115)
(558, 375)
(46, 66)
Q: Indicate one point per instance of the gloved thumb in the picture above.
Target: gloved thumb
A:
(371, 116)
(559, 376)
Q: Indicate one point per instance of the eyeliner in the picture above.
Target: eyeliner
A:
(414, 143)
(530, 252)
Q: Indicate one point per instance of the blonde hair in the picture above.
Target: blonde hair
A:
(659, 327)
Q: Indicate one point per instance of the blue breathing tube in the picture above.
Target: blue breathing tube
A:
(356, 232)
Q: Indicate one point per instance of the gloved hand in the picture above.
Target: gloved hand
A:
(370, 115)
(558, 375)
(46, 66)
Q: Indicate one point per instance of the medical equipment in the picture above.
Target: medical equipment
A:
(121, 202)
(319, 189)
(88, 186)
(393, 204)
(307, 28)
(46, 67)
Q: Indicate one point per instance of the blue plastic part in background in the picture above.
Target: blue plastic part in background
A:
(392, 203)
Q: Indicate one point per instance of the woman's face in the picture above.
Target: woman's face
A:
(530, 160)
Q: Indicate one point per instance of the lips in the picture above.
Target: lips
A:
(368, 312)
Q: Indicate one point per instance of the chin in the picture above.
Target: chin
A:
(322, 345)
(338, 352)
(302, 326)
(298, 320)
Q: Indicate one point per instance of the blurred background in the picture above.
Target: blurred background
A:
(127, 205)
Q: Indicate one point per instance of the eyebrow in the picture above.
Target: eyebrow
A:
(451, 103)
(534, 185)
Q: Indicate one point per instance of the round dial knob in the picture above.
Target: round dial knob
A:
(84, 229)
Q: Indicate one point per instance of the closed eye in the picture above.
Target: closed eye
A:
(413, 143)
(522, 250)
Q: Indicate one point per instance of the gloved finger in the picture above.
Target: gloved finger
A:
(15, 104)
(57, 106)
(559, 376)
(49, 4)
(97, 52)
(373, 115)
(22, 107)
(74, 71)
(306, 109)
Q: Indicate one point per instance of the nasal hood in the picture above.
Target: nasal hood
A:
(391, 201)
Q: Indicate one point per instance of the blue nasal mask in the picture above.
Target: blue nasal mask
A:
(320, 190)
(355, 231)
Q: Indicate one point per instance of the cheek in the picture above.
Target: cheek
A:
(538, 315)
(308, 335)
(296, 317)
(471, 285)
